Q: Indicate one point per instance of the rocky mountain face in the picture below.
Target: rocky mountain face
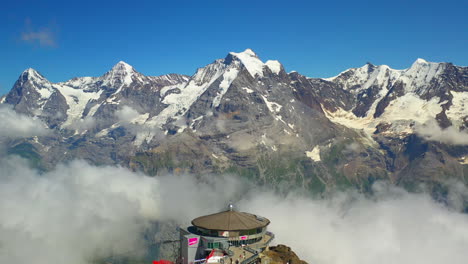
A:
(241, 115)
(416, 116)
(280, 254)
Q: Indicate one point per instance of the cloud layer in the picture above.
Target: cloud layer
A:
(396, 227)
(126, 114)
(15, 125)
(78, 212)
(450, 135)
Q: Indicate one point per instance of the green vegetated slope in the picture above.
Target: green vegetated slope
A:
(340, 166)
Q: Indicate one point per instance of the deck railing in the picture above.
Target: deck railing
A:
(250, 260)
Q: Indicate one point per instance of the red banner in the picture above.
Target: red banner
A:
(162, 261)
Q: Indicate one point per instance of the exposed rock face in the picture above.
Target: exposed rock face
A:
(244, 116)
(280, 254)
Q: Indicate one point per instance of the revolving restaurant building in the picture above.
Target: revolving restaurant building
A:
(226, 231)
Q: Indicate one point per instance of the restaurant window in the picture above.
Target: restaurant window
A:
(213, 244)
(248, 232)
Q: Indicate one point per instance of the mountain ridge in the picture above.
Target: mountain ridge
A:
(242, 115)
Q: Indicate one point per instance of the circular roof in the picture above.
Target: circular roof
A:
(230, 221)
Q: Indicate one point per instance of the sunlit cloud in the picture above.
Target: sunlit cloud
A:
(15, 125)
(433, 132)
(78, 212)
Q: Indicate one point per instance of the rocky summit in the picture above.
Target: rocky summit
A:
(244, 116)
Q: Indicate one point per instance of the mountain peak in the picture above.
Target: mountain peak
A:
(121, 72)
(274, 65)
(31, 73)
(122, 66)
(420, 61)
(245, 53)
(250, 60)
(423, 64)
(250, 52)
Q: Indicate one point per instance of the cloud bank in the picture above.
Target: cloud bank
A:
(78, 212)
(433, 132)
(127, 114)
(395, 227)
(15, 125)
(83, 124)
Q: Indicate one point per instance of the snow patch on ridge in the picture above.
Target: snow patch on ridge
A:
(77, 100)
(45, 93)
(458, 110)
(275, 109)
(272, 106)
(314, 154)
(80, 83)
(248, 90)
(412, 108)
(402, 113)
(274, 66)
(228, 78)
(179, 103)
(94, 109)
(251, 62)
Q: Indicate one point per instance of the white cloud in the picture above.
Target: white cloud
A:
(81, 125)
(126, 114)
(16, 125)
(78, 211)
(352, 147)
(393, 227)
(450, 135)
(243, 142)
(134, 122)
(44, 36)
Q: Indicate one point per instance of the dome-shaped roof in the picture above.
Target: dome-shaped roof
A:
(230, 221)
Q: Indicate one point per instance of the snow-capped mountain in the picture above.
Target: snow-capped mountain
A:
(69, 104)
(423, 93)
(242, 115)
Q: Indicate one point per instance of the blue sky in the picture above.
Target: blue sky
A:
(319, 39)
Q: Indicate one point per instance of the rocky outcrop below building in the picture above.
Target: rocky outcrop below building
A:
(280, 254)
